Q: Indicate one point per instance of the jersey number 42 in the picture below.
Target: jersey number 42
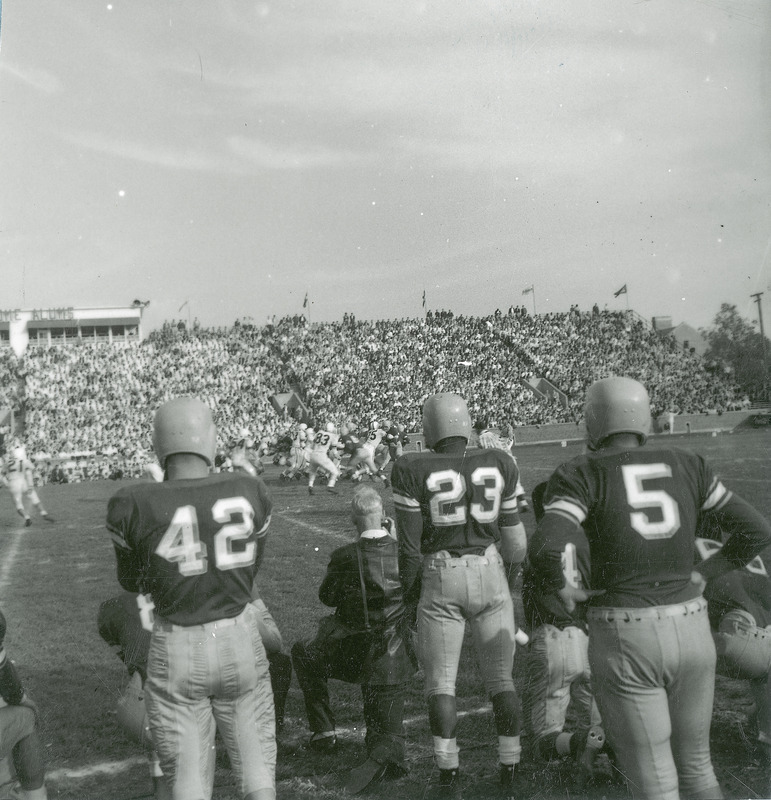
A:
(181, 543)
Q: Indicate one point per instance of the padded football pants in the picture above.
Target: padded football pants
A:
(653, 671)
(201, 678)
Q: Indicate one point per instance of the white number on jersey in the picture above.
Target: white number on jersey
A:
(181, 544)
(638, 497)
(448, 490)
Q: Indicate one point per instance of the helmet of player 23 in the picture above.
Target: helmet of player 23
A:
(616, 405)
(445, 414)
(184, 425)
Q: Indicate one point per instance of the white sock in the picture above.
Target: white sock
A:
(446, 753)
(509, 750)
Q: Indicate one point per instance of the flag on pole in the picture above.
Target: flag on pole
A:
(622, 290)
(182, 306)
(529, 289)
(424, 298)
(305, 302)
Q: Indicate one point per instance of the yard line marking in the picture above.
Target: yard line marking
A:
(105, 768)
(314, 528)
(9, 556)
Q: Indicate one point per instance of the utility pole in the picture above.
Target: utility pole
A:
(757, 297)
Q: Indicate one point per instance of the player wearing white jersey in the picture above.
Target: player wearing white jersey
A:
(364, 460)
(323, 442)
(18, 478)
(296, 453)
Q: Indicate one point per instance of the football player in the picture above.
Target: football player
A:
(19, 735)
(363, 461)
(323, 442)
(194, 544)
(740, 615)
(558, 663)
(461, 542)
(636, 508)
(296, 454)
(19, 479)
(246, 457)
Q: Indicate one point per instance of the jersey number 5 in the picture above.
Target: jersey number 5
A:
(639, 497)
(181, 543)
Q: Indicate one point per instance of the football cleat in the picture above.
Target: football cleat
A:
(47, 517)
(448, 787)
(512, 782)
(332, 490)
(184, 425)
(616, 405)
(27, 522)
(310, 490)
(444, 415)
(359, 778)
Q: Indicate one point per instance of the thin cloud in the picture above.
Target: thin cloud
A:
(270, 157)
(36, 78)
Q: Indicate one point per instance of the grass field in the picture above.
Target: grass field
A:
(54, 576)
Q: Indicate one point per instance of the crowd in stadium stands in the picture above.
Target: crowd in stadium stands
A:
(99, 400)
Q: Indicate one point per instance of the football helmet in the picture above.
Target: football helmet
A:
(19, 453)
(374, 425)
(616, 405)
(330, 427)
(445, 414)
(184, 425)
(303, 426)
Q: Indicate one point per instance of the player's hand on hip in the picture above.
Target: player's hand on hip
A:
(699, 580)
(572, 595)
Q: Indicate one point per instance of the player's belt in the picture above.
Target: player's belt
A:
(443, 559)
(160, 624)
(650, 612)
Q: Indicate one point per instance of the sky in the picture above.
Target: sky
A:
(226, 159)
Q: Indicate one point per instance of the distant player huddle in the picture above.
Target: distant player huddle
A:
(613, 586)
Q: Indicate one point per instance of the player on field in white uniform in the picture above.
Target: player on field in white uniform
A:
(363, 461)
(323, 442)
(296, 454)
(19, 479)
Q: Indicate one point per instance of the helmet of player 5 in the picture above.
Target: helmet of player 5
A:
(184, 425)
(445, 414)
(616, 405)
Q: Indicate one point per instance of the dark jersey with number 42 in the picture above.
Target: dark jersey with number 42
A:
(640, 510)
(192, 544)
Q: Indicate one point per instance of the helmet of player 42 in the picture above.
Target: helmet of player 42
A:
(616, 405)
(445, 414)
(184, 425)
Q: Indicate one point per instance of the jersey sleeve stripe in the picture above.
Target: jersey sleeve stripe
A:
(567, 508)
(406, 503)
(509, 504)
(264, 529)
(718, 496)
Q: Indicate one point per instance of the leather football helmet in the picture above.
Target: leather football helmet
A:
(616, 405)
(184, 425)
(445, 414)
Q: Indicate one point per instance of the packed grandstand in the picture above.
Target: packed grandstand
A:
(96, 401)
